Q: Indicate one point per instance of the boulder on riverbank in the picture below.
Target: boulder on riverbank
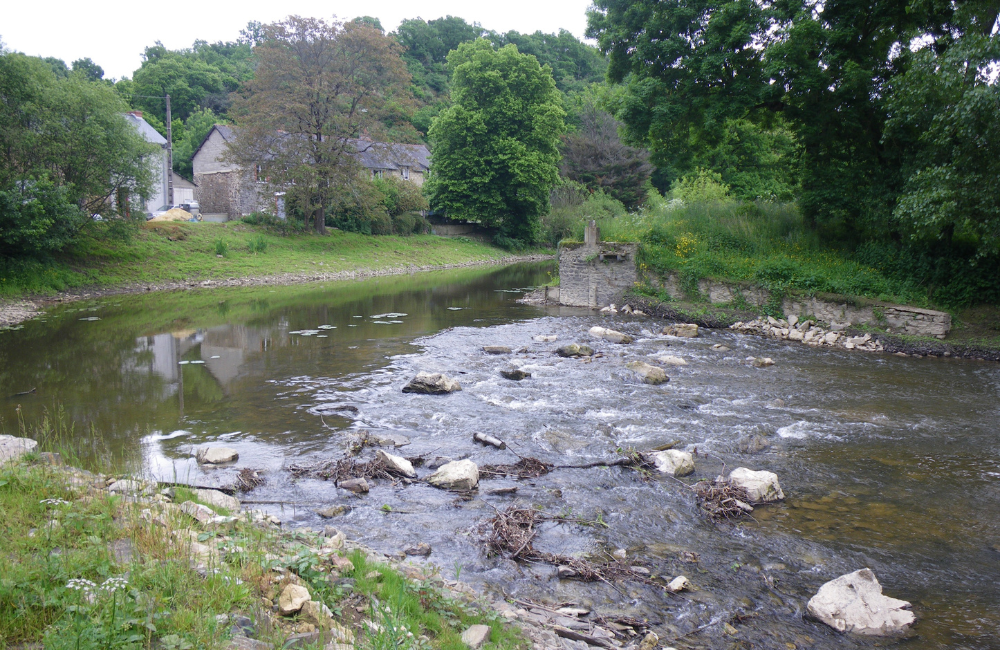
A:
(12, 448)
(613, 336)
(650, 374)
(292, 598)
(456, 475)
(216, 455)
(427, 383)
(854, 603)
(216, 499)
(674, 462)
(761, 486)
(397, 464)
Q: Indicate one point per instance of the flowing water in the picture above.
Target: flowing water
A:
(889, 463)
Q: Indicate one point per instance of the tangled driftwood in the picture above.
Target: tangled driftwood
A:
(722, 499)
(247, 479)
(511, 533)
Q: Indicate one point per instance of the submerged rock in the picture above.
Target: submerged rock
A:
(496, 349)
(680, 583)
(761, 362)
(761, 486)
(650, 374)
(855, 603)
(685, 330)
(674, 462)
(432, 384)
(456, 475)
(610, 335)
(753, 443)
(216, 455)
(515, 374)
(333, 511)
(12, 448)
(397, 464)
(355, 485)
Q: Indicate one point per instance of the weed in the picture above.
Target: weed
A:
(257, 244)
(221, 248)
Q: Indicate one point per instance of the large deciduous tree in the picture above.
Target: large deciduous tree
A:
(692, 65)
(496, 148)
(318, 88)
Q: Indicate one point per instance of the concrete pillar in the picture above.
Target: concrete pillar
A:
(591, 235)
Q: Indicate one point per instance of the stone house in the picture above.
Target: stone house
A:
(225, 188)
(157, 162)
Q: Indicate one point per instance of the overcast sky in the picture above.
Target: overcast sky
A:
(114, 33)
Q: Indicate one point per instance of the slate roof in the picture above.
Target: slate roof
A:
(145, 130)
(371, 155)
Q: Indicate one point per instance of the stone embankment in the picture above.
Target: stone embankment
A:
(808, 332)
(15, 312)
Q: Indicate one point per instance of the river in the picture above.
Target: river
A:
(889, 463)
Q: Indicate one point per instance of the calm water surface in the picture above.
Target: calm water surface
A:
(890, 463)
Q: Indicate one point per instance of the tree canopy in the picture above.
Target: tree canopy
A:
(319, 87)
(496, 148)
(692, 66)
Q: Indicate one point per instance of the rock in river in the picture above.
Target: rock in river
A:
(685, 330)
(431, 384)
(456, 475)
(575, 350)
(855, 603)
(496, 349)
(649, 374)
(610, 335)
(674, 462)
(397, 464)
(355, 485)
(216, 455)
(761, 486)
(515, 374)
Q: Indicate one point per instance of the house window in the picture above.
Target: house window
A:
(376, 173)
(257, 171)
(405, 173)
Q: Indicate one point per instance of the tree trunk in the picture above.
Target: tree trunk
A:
(320, 220)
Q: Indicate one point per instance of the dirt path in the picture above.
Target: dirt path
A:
(13, 312)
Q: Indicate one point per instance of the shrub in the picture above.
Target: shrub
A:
(221, 248)
(257, 244)
(702, 186)
(37, 218)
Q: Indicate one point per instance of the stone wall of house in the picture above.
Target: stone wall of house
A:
(208, 159)
(231, 193)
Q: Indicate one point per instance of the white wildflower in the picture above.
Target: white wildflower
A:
(54, 502)
(111, 585)
(81, 584)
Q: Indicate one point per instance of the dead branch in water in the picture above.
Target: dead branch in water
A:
(247, 479)
(722, 499)
(524, 468)
(511, 533)
(343, 469)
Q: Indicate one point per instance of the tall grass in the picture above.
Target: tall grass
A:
(766, 244)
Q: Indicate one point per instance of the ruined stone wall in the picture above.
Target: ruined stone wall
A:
(899, 319)
(595, 275)
(232, 193)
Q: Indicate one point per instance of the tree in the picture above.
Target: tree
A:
(496, 148)
(319, 87)
(595, 156)
(189, 138)
(90, 70)
(64, 146)
(691, 65)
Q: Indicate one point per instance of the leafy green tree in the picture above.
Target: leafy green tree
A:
(575, 64)
(63, 142)
(90, 70)
(756, 163)
(690, 65)
(193, 133)
(946, 111)
(496, 148)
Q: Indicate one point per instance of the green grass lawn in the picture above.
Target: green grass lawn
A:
(171, 252)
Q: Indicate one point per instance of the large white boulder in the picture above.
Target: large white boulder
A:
(397, 464)
(855, 603)
(456, 475)
(428, 383)
(674, 462)
(610, 335)
(649, 374)
(292, 598)
(761, 486)
(12, 448)
(217, 499)
(216, 455)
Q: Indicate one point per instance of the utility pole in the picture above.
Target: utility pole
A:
(170, 159)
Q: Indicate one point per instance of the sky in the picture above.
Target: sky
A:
(114, 33)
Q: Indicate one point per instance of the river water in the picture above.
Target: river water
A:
(889, 463)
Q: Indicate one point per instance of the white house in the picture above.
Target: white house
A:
(158, 161)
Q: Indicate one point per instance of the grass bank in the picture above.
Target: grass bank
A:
(164, 253)
(87, 567)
